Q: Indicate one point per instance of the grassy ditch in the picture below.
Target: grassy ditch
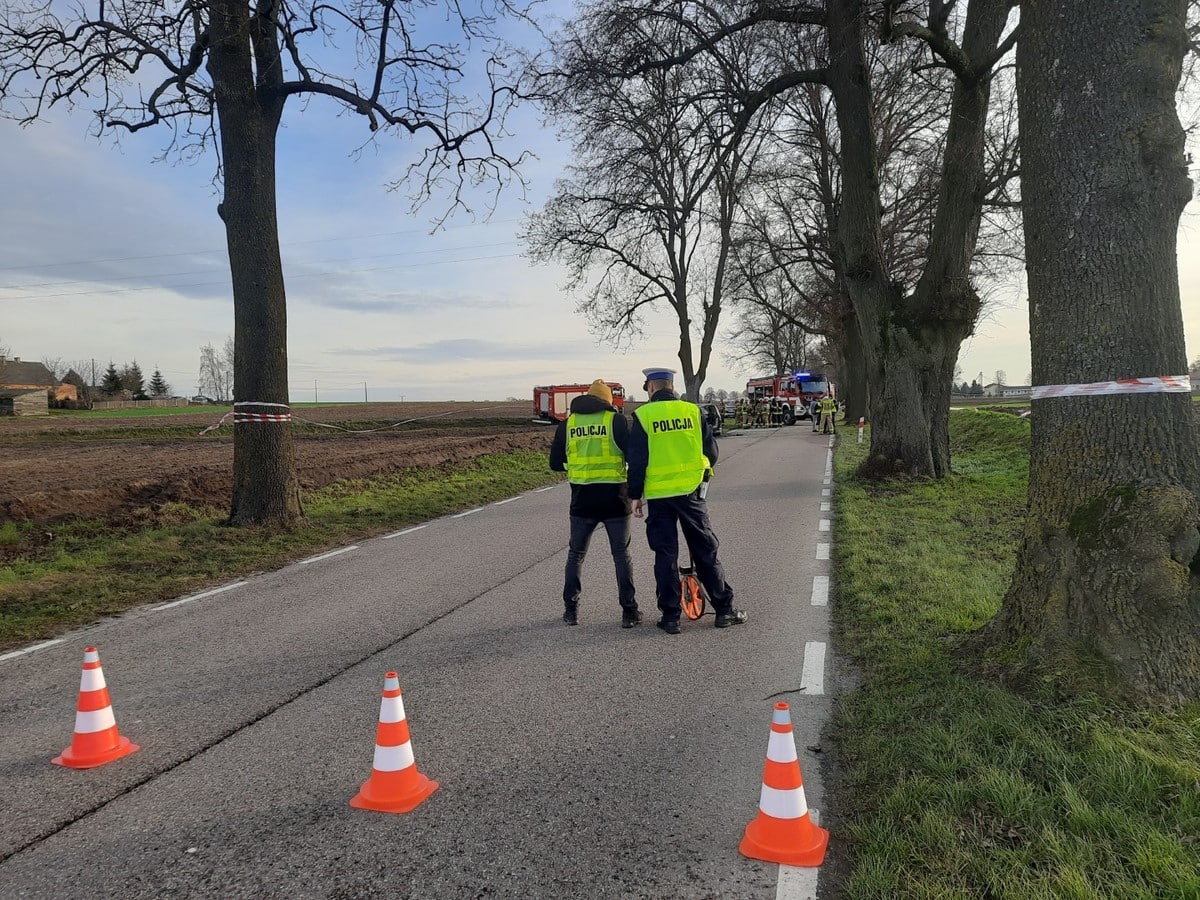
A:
(76, 573)
(954, 786)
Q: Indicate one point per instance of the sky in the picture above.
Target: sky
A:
(108, 255)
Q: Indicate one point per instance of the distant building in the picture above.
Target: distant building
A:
(1013, 391)
(16, 375)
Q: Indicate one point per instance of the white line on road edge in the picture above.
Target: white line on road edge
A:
(812, 680)
(502, 502)
(220, 590)
(825, 492)
(823, 525)
(313, 559)
(820, 591)
(822, 551)
(825, 507)
(17, 653)
(469, 512)
(543, 490)
(798, 882)
(388, 537)
(826, 481)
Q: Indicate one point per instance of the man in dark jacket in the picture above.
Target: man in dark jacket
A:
(671, 455)
(590, 447)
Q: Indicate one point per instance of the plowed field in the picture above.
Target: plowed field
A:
(65, 466)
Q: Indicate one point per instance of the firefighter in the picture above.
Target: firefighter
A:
(671, 455)
(590, 446)
(814, 412)
(828, 409)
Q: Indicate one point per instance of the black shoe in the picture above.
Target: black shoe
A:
(670, 626)
(630, 617)
(570, 615)
(733, 617)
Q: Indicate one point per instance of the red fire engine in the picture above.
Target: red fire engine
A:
(552, 402)
(796, 389)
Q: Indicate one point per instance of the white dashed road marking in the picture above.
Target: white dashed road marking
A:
(220, 590)
(820, 590)
(313, 559)
(812, 681)
(469, 512)
(822, 551)
(396, 534)
(17, 653)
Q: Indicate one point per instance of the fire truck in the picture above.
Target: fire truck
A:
(552, 402)
(796, 389)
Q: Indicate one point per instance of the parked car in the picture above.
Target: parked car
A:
(712, 415)
(200, 398)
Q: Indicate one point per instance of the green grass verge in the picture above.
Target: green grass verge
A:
(954, 786)
(90, 569)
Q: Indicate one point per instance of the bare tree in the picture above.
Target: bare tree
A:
(221, 72)
(217, 371)
(1109, 569)
(910, 338)
(646, 217)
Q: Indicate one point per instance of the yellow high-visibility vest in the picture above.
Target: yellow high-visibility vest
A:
(676, 463)
(593, 457)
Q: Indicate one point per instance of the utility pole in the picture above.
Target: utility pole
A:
(364, 392)
(314, 392)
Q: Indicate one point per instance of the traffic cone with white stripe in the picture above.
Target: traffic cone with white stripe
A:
(395, 784)
(96, 739)
(783, 832)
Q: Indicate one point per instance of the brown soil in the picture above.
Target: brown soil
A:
(62, 467)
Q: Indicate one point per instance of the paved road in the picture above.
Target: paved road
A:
(573, 762)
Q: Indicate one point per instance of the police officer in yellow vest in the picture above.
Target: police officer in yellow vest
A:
(671, 454)
(590, 447)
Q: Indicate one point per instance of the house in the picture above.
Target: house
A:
(16, 375)
(24, 402)
(1018, 391)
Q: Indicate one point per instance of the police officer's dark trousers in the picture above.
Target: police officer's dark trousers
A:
(618, 541)
(664, 519)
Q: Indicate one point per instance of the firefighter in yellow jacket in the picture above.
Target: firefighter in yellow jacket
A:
(671, 454)
(827, 406)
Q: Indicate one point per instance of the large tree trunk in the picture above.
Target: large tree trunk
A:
(855, 392)
(1109, 562)
(910, 342)
(265, 486)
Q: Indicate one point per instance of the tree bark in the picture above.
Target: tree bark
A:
(910, 342)
(266, 490)
(1109, 563)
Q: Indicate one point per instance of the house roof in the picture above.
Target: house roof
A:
(16, 371)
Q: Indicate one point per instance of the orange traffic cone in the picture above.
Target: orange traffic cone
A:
(783, 831)
(395, 784)
(96, 739)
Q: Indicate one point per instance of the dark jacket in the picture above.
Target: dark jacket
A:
(638, 454)
(593, 501)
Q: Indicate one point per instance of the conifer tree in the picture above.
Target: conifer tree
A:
(158, 385)
(112, 383)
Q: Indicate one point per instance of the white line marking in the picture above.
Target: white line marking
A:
(826, 481)
(31, 648)
(388, 537)
(812, 681)
(313, 559)
(825, 492)
(820, 591)
(469, 512)
(502, 502)
(220, 590)
(798, 882)
(822, 551)
(543, 490)
(823, 525)
(825, 507)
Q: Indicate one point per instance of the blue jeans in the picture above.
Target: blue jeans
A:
(618, 542)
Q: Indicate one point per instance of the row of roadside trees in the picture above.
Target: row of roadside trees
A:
(847, 166)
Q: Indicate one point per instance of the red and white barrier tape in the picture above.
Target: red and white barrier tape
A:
(1169, 384)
